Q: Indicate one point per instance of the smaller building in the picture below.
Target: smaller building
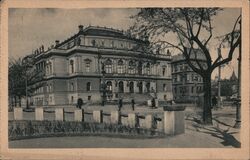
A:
(187, 85)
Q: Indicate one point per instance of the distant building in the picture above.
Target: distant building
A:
(79, 66)
(228, 86)
(187, 85)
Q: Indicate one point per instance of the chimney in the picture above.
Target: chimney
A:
(80, 28)
(57, 42)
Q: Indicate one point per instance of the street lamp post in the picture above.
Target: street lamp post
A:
(238, 100)
(103, 86)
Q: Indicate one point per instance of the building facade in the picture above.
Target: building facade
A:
(80, 66)
(187, 85)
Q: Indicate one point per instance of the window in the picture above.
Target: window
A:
(87, 65)
(50, 88)
(89, 98)
(148, 68)
(164, 87)
(72, 99)
(165, 97)
(163, 71)
(93, 42)
(88, 86)
(102, 43)
(72, 87)
(120, 67)
(71, 66)
(108, 66)
(131, 67)
(109, 86)
(112, 44)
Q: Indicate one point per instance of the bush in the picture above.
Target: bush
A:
(31, 129)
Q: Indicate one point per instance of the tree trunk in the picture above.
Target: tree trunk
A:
(207, 109)
(15, 102)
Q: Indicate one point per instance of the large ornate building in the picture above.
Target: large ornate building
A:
(77, 68)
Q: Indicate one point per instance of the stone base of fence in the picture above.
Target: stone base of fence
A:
(59, 114)
(174, 122)
(18, 113)
(39, 114)
(97, 116)
(79, 115)
(115, 117)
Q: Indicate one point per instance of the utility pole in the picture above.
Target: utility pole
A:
(238, 100)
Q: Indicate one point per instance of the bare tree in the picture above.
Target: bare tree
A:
(22, 76)
(193, 30)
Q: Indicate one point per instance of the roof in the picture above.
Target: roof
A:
(233, 77)
(180, 57)
(102, 31)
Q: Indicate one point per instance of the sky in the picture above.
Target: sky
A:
(31, 28)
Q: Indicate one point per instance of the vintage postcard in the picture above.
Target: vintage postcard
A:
(124, 79)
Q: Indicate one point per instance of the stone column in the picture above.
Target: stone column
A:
(148, 121)
(174, 122)
(132, 119)
(18, 113)
(59, 114)
(115, 117)
(97, 116)
(39, 114)
(79, 115)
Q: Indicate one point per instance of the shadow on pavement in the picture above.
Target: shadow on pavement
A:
(225, 135)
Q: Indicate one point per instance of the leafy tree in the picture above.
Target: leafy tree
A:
(193, 29)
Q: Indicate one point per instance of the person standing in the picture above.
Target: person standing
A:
(120, 104)
(133, 104)
(214, 101)
(153, 103)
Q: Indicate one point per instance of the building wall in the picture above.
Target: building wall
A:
(68, 72)
(187, 85)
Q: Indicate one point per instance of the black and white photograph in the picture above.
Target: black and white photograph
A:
(127, 77)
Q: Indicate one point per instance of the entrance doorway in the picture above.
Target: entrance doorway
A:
(140, 87)
(148, 87)
(121, 87)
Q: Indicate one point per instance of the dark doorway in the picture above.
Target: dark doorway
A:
(148, 87)
(121, 87)
(140, 87)
(131, 87)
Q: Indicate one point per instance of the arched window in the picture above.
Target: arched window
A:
(131, 67)
(93, 42)
(120, 67)
(109, 86)
(88, 86)
(148, 68)
(121, 87)
(87, 64)
(108, 66)
(140, 68)
(71, 66)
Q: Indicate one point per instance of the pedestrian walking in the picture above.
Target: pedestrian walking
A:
(120, 104)
(133, 104)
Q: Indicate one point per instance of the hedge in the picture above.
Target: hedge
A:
(34, 129)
